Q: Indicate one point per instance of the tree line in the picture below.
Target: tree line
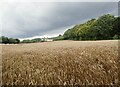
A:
(32, 40)
(6, 40)
(105, 27)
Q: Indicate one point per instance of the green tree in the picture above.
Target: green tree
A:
(94, 29)
(17, 41)
(60, 37)
(105, 24)
(116, 27)
(12, 41)
(0, 39)
(5, 40)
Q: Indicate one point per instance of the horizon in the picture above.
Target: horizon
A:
(54, 35)
(29, 20)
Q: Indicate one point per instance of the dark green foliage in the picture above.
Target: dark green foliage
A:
(32, 40)
(105, 24)
(0, 39)
(60, 37)
(7, 40)
(36, 40)
(116, 27)
(116, 37)
(11, 40)
(103, 28)
(17, 41)
(27, 41)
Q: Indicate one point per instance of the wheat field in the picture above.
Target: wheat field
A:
(60, 63)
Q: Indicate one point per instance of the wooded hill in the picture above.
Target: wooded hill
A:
(106, 27)
(103, 28)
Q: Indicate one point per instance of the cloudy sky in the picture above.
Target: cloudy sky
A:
(31, 19)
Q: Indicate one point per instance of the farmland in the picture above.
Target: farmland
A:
(60, 63)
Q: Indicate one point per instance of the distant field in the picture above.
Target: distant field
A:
(60, 63)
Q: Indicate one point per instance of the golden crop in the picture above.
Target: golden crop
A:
(60, 63)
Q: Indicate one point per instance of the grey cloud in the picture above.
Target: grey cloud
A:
(36, 19)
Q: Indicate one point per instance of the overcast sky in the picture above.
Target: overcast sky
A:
(46, 19)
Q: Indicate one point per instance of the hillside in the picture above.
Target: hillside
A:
(106, 27)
